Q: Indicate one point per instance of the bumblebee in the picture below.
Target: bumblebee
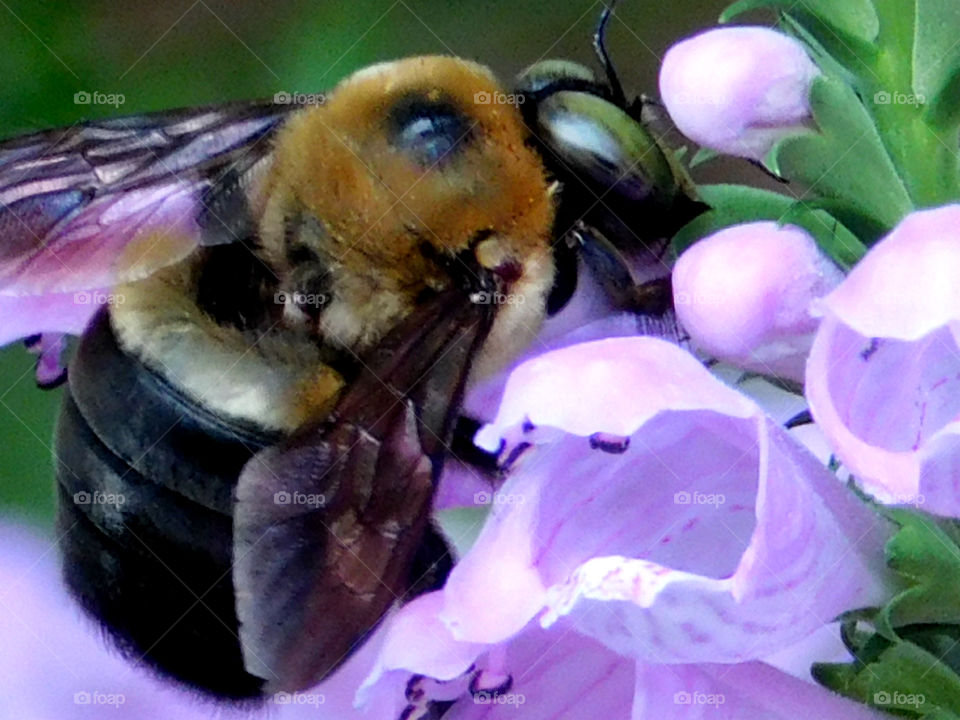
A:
(289, 319)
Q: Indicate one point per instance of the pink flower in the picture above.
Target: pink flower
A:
(884, 367)
(744, 295)
(738, 90)
(656, 539)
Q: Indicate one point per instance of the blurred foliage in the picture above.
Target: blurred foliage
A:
(194, 52)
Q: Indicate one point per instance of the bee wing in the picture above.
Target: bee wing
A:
(73, 201)
(86, 207)
(327, 524)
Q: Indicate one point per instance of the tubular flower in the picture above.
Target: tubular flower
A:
(884, 367)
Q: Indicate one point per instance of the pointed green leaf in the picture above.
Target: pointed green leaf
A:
(736, 204)
(856, 18)
(926, 554)
(846, 159)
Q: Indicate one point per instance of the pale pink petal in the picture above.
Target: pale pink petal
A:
(695, 529)
(24, 315)
(744, 295)
(884, 368)
(738, 90)
(736, 692)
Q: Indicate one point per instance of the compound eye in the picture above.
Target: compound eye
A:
(429, 132)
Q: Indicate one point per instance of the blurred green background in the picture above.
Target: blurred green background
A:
(193, 52)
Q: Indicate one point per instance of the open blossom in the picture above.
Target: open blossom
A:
(744, 295)
(658, 540)
(738, 90)
(882, 380)
(657, 537)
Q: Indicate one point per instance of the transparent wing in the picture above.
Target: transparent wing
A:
(105, 202)
(86, 207)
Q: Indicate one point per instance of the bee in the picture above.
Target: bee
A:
(278, 315)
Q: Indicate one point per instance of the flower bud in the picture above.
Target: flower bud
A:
(744, 295)
(738, 90)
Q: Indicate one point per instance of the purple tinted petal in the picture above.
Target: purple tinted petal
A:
(883, 372)
(555, 674)
(56, 665)
(734, 692)
(906, 286)
(744, 295)
(24, 315)
(738, 90)
(49, 349)
(710, 535)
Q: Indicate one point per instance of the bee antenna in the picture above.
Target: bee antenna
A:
(600, 47)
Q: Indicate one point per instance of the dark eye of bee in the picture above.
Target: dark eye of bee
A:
(429, 131)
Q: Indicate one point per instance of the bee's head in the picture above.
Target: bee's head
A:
(409, 162)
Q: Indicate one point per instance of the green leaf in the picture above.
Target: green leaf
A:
(856, 18)
(943, 109)
(702, 156)
(846, 159)
(926, 554)
(936, 52)
(736, 204)
(908, 678)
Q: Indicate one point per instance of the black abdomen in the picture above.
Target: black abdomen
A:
(145, 477)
